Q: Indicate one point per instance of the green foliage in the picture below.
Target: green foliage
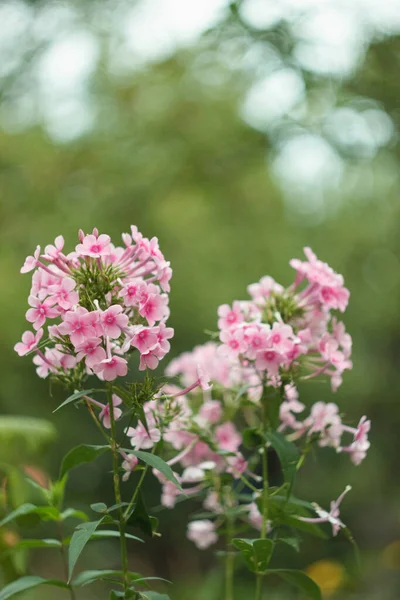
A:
(256, 553)
(140, 517)
(300, 580)
(79, 539)
(81, 454)
(27, 583)
(109, 533)
(156, 463)
(288, 455)
(22, 438)
(87, 577)
(77, 396)
(252, 438)
(46, 513)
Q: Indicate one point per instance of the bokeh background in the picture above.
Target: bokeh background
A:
(237, 132)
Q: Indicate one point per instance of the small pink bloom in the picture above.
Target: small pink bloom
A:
(234, 342)
(202, 533)
(211, 411)
(269, 360)
(79, 324)
(64, 293)
(94, 246)
(105, 411)
(92, 351)
(164, 334)
(257, 339)
(229, 316)
(40, 311)
(141, 438)
(331, 517)
(237, 465)
(154, 309)
(227, 437)
(113, 321)
(31, 262)
(129, 465)
(130, 292)
(111, 368)
(53, 252)
(145, 339)
(29, 342)
(262, 290)
(149, 360)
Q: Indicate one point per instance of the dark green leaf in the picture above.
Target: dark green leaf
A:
(293, 542)
(157, 463)
(87, 577)
(79, 539)
(46, 513)
(27, 583)
(288, 455)
(79, 455)
(311, 528)
(109, 533)
(256, 553)
(154, 596)
(252, 438)
(74, 398)
(300, 580)
(140, 517)
(45, 543)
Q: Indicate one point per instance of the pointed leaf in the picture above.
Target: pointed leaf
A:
(79, 539)
(87, 577)
(81, 454)
(27, 583)
(288, 455)
(157, 463)
(74, 398)
(311, 528)
(154, 596)
(73, 513)
(256, 553)
(99, 507)
(45, 543)
(47, 513)
(109, 533)
(300, 580)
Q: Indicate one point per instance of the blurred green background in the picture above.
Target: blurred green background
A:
(237, 133)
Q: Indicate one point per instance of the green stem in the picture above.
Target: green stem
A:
(229, 563)
(65, 559)
(137, 490)
(259, 586)
(265, 495)
(117, 491)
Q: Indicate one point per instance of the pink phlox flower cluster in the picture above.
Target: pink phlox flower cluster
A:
(284, 328)
(202, 533)
(325, 421)
(97, 304)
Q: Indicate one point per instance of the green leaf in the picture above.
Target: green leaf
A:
(73, 513)
(252, 438)
(154, 596)
(44, 543)
(310, 528)
(299, 579)
(87, 577)
(21, 438)
(46, 513)
(81, 454)
(293, 542)
(74, 398)
(109, 533)
(99, 507)
(79, 539)
(27, 583)
(57, 491)
(140, 517)
(256, 553)
(157, 463)
(288, 455)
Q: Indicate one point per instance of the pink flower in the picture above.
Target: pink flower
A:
(262, 290)
(202, 533)
(149, 360)
(143, 438)
(154, 309)
(94, 246)
(29, 342)
(257, 337)
(40, 311)
(113, 321)
(64, 293)
(79, 324)
(53, 252)
(331, 517)
(105, 411)
(111, 368)
(269, 360)
(237, 465)
(211, 411)
(129, 465)
(234, 341)
(325, 419)
(169, 494)
(227, 436)
(281, 337)
(229, 316)
(286, 410)
(145, 339)
(92, 351)
(164, 334)
(130, 292)
(31, 262)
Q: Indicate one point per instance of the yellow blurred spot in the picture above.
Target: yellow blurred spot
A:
(328, 574)
(10, 538)
(391, 556)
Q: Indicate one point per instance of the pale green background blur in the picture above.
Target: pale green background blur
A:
(236, 133)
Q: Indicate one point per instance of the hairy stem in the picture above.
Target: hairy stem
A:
(117, 491)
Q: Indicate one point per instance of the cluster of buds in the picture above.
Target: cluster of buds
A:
(92, 307)
(281, 330)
